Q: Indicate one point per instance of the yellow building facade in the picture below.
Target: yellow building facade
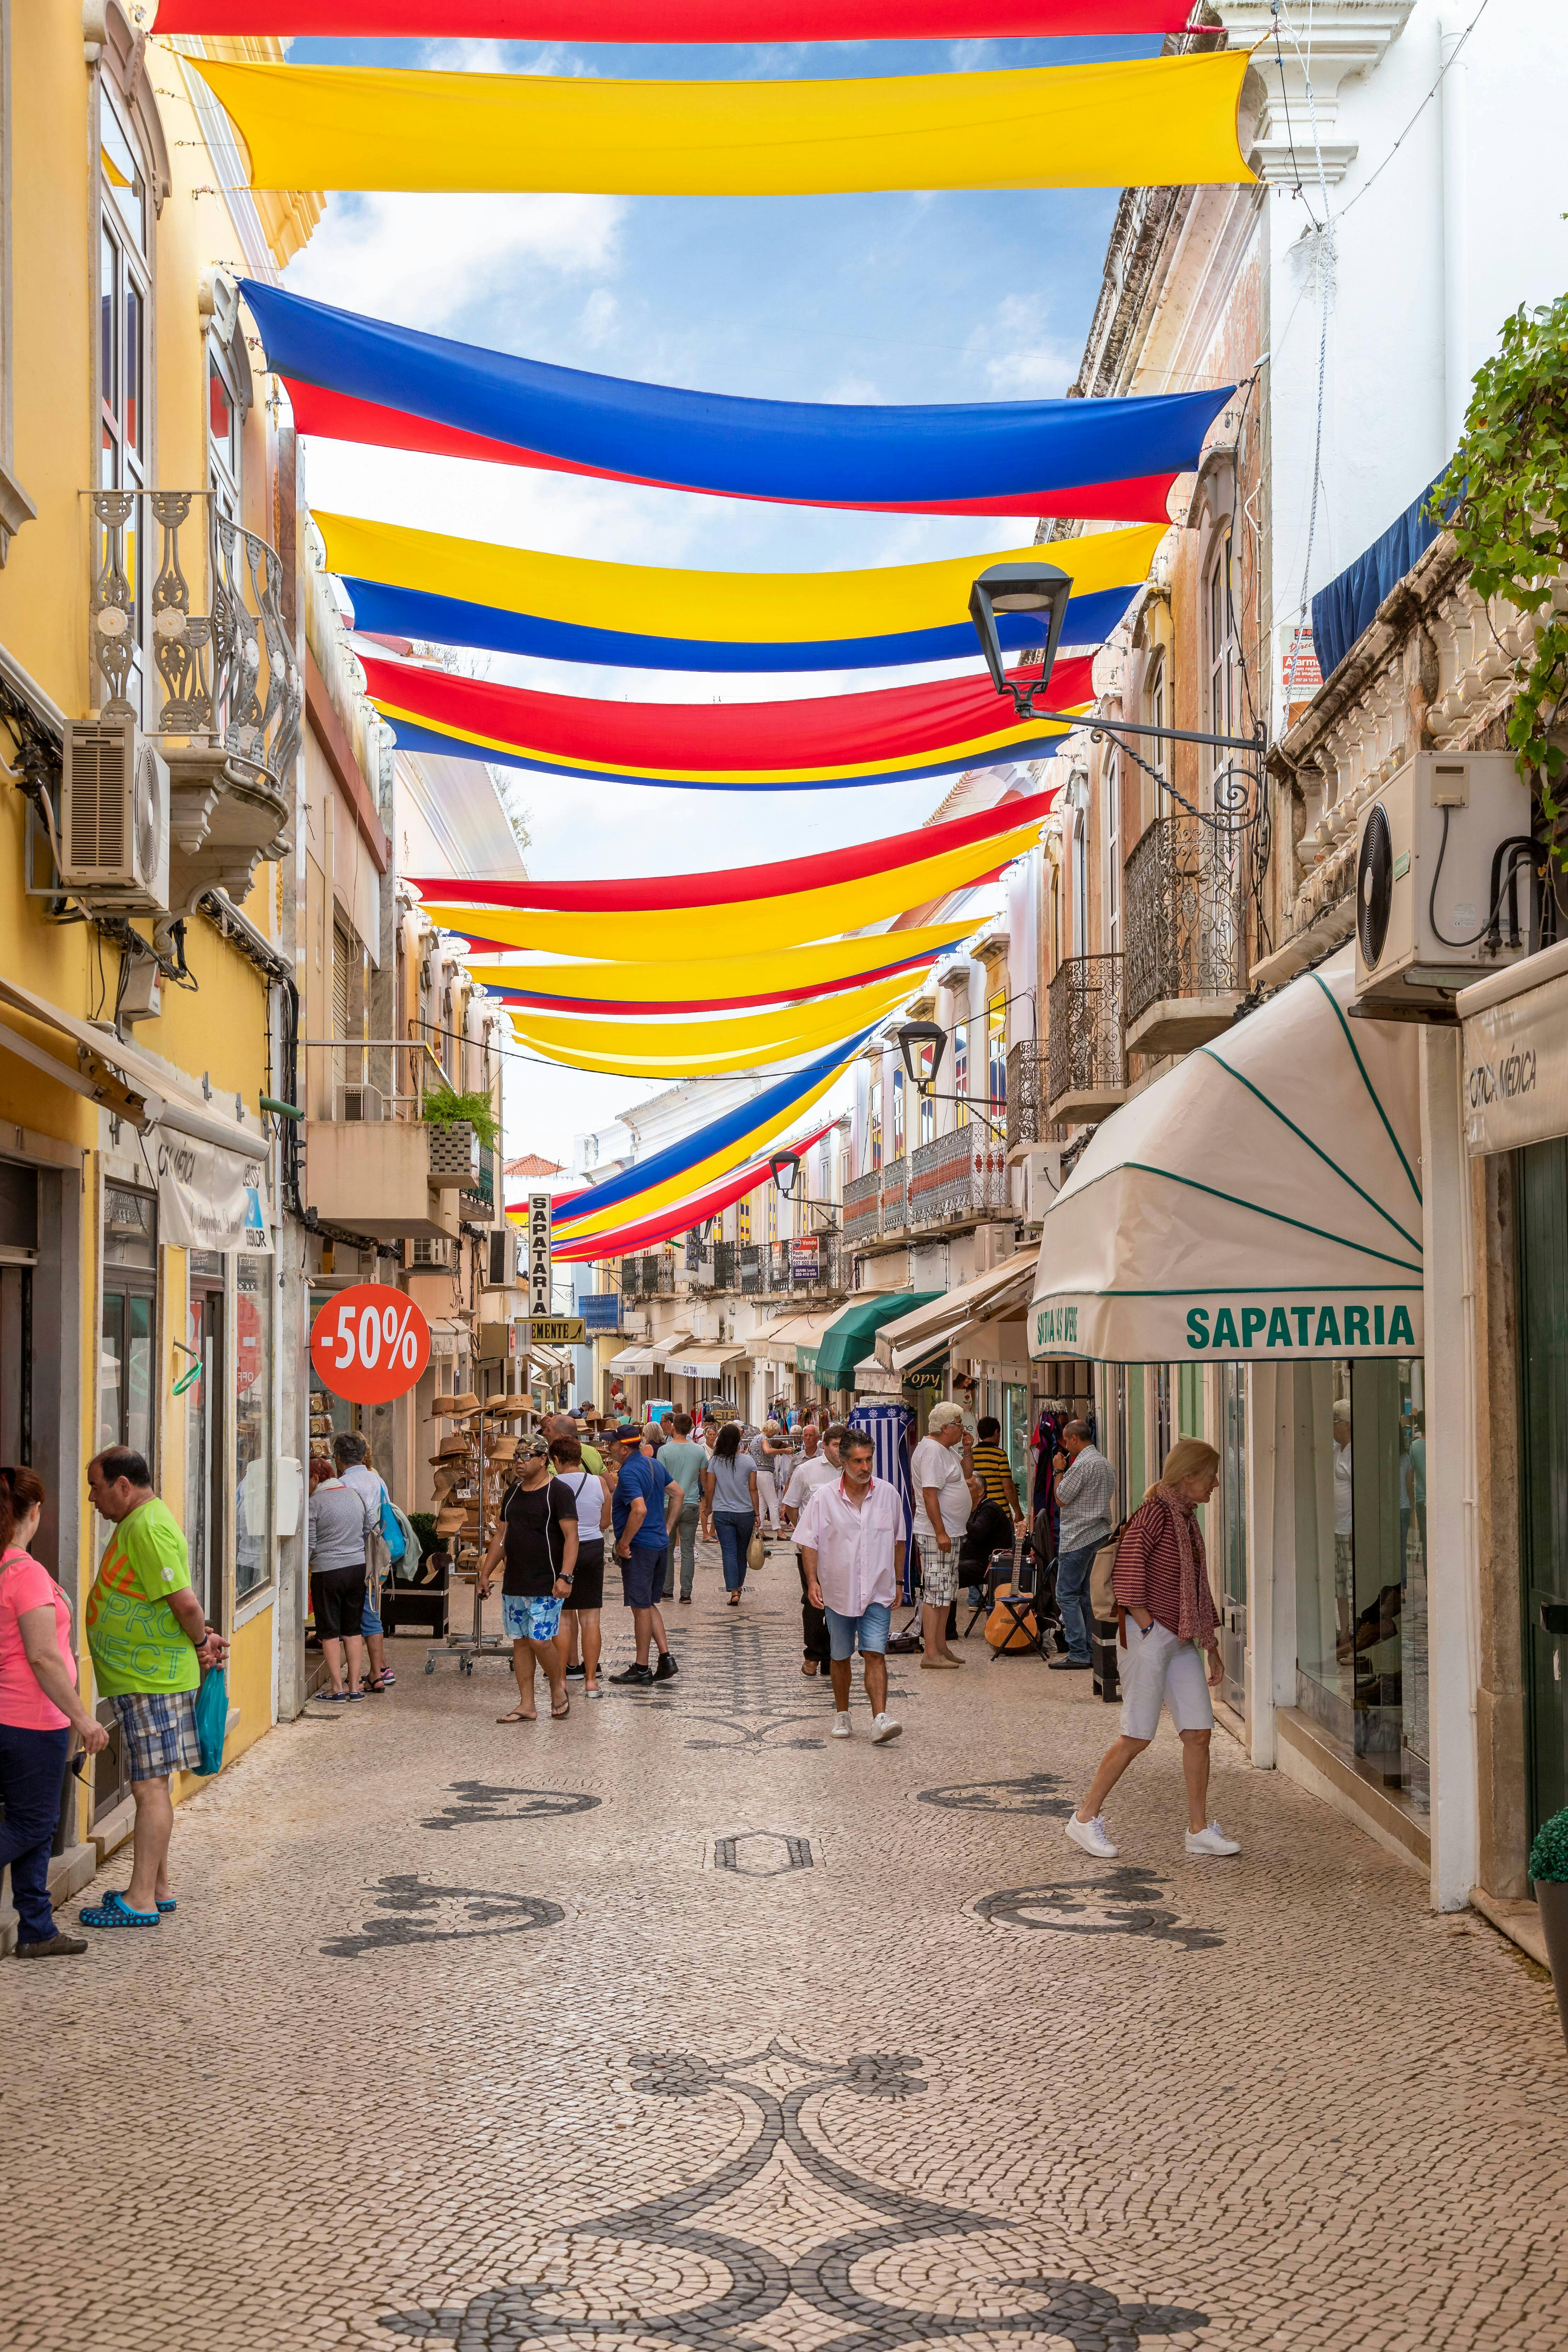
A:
(152, 692)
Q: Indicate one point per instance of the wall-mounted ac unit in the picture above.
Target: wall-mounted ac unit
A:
(363, 1103)
(1042, 1179)
(430, 1254)
(1442, 881)
(503, 1257)
(114, 816)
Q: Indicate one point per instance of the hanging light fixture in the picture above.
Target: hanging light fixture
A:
(916, 1039)
(784, 1167)
(1039, 590)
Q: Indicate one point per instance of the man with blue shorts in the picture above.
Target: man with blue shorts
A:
(850, 1535)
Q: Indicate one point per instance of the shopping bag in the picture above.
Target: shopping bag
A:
(755, 1550)
(212, 1719)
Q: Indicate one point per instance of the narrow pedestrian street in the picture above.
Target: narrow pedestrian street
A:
(682, 2023)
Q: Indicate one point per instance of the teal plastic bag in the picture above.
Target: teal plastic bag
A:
(212, 1718)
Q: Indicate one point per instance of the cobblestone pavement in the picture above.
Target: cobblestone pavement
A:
(679, 2023)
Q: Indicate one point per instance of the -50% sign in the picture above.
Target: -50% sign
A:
(370, 1344)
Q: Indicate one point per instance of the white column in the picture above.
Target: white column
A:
(1451, 1603)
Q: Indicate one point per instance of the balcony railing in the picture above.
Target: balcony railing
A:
(958, 1178)
(651, 1276)
(231, 684)
(895, 1194)
(1087, 1060)
(1185, 950)
(767, 1268)
(862, 1207)
(1029, 1089)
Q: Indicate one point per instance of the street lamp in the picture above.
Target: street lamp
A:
(784, 1167)
(915, 1037)
(1041, 589)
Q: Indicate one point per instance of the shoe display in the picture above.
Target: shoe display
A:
(637, 1675)
(666, 1670)
(1211, 1840)
(884, 1727)
(1092, 1837)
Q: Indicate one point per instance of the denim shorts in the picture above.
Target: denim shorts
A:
(868, 1632)
(526, 1617)
(370, 1620)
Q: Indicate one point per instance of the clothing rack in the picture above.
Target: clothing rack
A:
(481, 1485)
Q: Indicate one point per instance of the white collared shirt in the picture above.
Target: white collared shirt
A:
(854, 1547)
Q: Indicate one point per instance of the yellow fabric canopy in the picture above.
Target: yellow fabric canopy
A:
(749, 926)
(1146, 122)
(727, 1041)
(778, 977)
(706, 1172)
(723, 607)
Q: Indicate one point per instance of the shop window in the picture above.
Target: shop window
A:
(128, 1383)
(225, 421)
(1155, 749)
(1361, 1563)
(898, 1114)
(121, 359)
(1232, 1532)
(1189, 1400)
(997, 1053)
(873, 1117)
(1016, 1436)
(961, 1072)
(253, 1422)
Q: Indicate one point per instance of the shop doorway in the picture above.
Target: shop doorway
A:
(1233, 1534)
(17, 1364)
(1542, 1190)
(205, 1435)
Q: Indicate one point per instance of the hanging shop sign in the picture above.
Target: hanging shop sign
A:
(601, 1310)
(805, 1259)
(553, 1331)
(209, 1199)
(1516, 1066)
(539, 1253)
(370, 1344)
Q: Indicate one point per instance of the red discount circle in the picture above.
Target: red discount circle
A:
(370, 1343)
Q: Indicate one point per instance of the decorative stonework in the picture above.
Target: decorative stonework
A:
(1035, 1794)
(1124, 1902)
(478, 1805)
(412, 1911)
(1347, 37)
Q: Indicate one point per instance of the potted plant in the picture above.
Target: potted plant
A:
(458, 1124)
(1549, 1869)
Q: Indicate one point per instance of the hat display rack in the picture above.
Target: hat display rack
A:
(472, 1469)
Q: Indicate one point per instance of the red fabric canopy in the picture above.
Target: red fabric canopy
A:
(736, 885)
(821, 732)
(339, 417)
(675, 20)
(680, 1219)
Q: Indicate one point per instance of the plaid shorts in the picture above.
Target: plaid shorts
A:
(158, 1732)
(938, 1574)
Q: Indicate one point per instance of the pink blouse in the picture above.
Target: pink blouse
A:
(25, 1584)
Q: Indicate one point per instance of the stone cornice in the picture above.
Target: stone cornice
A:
(1348, 38)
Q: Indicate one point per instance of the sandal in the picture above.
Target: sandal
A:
(734, 1602)
(166, 1904)
(516, 1716)
(558, 1714)
(115, 1912)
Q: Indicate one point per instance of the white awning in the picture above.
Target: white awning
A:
(779, 1345)
(632, 1360)
(122, 1078)
(1262, 1201)
(698, 1361)
(943, 1320)
(665, 1349)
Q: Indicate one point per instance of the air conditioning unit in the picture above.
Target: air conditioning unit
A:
(1042, 1181)
(1442, 882)
(114, 816)
(363, 1103)
(430, 1255)
(503, 1257)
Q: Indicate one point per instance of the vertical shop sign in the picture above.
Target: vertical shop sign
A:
(539, 1255)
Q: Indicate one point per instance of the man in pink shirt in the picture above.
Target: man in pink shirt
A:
(850, 1535)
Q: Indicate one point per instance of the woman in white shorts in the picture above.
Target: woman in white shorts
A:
(1169, 1629)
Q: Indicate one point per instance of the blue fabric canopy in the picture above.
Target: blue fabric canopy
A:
(963, 454)
(380, 611)
(1350, 602)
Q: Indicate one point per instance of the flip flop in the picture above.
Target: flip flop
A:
(560, 1714)
(115, 1912)
(516, 1716)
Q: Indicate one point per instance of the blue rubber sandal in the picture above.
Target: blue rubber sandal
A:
(167, 1904)
(115, 1912)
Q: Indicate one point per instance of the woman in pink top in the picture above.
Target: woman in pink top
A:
(38, 1710)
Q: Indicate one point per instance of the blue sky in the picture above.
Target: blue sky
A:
(893, 297)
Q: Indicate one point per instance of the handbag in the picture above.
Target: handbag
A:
(212, 1720)
(1101, 1591)
(755, 1550)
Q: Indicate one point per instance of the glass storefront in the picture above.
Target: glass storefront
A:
(252, 1422)
(1232, 1533)
(1360, 1477)
(127, 1366)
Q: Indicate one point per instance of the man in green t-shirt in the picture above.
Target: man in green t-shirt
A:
(149, 1641)
(684, 1463)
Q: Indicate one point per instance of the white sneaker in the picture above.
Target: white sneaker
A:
(842, 1724)
(884, 1727)
(1092, 1837)
(1212, 1840)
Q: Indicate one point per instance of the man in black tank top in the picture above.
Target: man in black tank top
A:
(537, 1533)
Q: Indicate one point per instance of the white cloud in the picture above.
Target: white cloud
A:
(420, 260)
(598, 315)
(854, 392)
(1021, 359)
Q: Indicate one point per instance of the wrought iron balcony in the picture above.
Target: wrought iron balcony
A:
(958, 1178)
(1028, 1088)
(651, 1276)
(894, 1194)
(230, 693)
(862, 1207)
(1087, 1067)
(1186, 946)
